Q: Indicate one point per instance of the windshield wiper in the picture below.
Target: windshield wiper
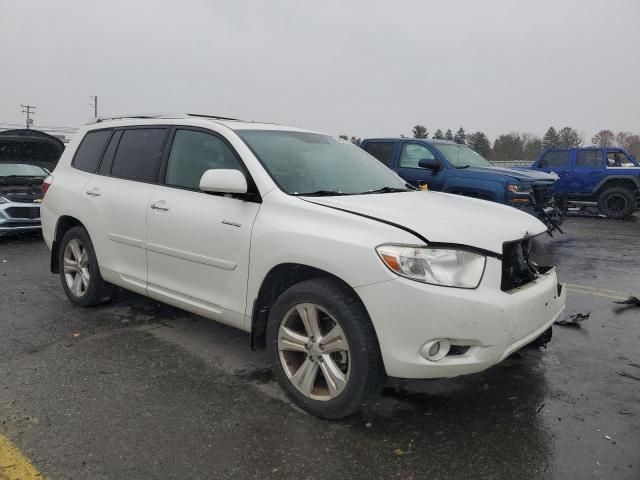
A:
(388, 190)
(322, 193)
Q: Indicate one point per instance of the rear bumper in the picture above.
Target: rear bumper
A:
(491, 323)
(13, 220)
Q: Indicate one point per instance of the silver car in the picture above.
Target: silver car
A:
(26, 158)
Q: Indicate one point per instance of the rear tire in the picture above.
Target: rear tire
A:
(617, 203)
(351, 358)
(79, 270)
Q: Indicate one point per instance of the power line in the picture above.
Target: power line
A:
(48, 127)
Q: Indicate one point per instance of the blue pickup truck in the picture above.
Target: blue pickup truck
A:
(606, 179)
(449, 167)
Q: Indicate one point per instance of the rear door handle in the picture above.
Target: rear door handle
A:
(595, 172)
(93, 192)
(160, 205)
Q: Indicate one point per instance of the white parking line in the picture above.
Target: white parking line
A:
(598, 292)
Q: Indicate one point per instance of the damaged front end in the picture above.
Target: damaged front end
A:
(518, 266)
(545, 206)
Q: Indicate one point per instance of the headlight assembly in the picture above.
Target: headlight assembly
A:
(448, 267)
(519, 187)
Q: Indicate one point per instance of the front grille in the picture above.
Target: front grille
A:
(542, 193)
(23, 212)
(517, 267)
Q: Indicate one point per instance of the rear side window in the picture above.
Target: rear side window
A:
(381, 150)
(559, 158)
(109, 153)
(589, 158)
(88, 154)
(139, 154)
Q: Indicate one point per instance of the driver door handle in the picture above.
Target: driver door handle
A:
(93, 192)
(160, 205)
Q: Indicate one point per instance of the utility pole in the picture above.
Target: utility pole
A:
(95, 105)
(28, 109)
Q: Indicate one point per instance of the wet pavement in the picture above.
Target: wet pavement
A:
(139, 390)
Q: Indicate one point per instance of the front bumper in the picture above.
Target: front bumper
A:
(19, 217)
(492, 323)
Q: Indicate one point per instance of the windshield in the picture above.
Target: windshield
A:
(311, 163)
(21, 170)
(461, 156)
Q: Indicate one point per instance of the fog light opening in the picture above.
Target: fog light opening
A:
(435, 350)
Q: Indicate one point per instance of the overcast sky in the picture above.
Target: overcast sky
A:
(359, 67)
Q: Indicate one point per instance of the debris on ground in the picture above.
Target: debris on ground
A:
(573, 320)
(632, 302)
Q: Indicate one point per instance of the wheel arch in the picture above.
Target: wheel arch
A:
(276, 281)
(624, 181)
(64, 224)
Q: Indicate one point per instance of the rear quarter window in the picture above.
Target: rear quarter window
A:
(90, 150)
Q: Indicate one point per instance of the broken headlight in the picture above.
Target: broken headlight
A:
(437, 266)
(519, 187)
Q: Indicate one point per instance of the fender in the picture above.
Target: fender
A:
(632, 178)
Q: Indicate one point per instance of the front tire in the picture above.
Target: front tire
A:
(323, 349)
(617, 203)
(79, 270)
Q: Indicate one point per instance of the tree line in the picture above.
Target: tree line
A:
(525, 146)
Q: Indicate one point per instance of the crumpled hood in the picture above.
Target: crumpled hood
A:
(443, 217)
(523, 175)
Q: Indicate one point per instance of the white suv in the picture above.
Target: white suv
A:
(307, 242)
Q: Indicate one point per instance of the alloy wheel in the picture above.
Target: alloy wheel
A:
(76, 267)
(314, 352)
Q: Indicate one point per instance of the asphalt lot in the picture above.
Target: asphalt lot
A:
(140, 390)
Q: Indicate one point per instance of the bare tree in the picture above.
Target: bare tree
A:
(604, 138)
(622, 138)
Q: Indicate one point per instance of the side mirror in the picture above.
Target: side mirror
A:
(430, 163)
(223, 181)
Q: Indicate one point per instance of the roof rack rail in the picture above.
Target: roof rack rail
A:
(157, 115)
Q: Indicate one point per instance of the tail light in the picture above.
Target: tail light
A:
(46, 184)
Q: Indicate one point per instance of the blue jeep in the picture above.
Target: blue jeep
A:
(449, 167)
(604, 178)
